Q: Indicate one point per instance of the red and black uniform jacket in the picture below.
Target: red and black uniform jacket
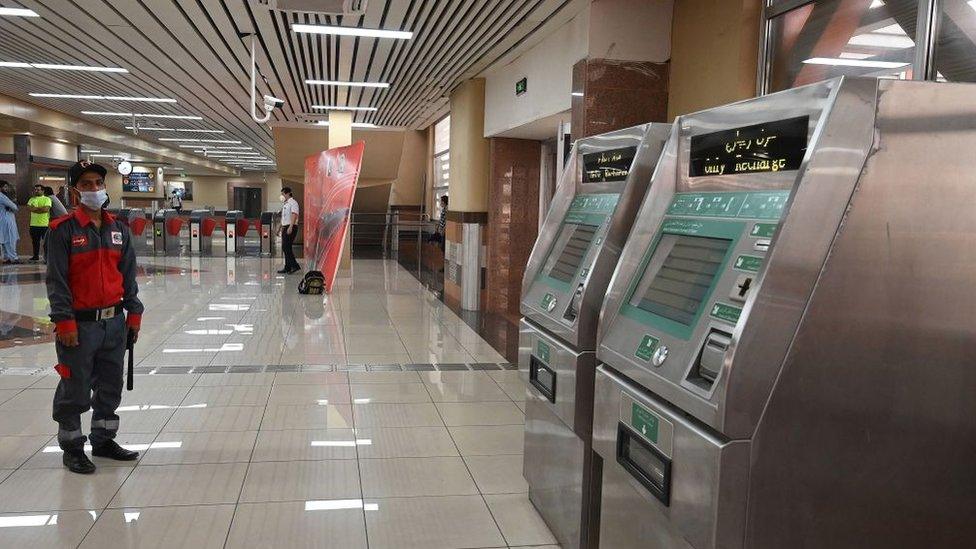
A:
(90, 268)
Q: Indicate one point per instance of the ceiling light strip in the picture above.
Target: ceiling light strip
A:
(18, 12)
(144, 115)
(49, 66)
(347, 83)
(352, 31)
(104, 97)
(338, 108)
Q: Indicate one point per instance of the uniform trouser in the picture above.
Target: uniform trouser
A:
(95, 382)
(288, 247)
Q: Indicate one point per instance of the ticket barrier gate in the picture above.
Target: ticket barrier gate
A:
(166, 232)
(235, 227)
(135, 218)
(786, 360)
(268, 234)
(202, 225)
(597, 198)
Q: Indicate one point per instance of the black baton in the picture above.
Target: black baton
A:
(130, 347)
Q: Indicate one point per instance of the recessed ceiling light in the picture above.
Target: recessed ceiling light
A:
(337, 108)
(577, 94)
(352, 31)
(20, 65)
(213, 147)
(856, 63)
(354, 124)
(350, 84)
(90, 151)
(143, 115)
(182, 140)
(187, 130)
(18, 12)
(104, 97)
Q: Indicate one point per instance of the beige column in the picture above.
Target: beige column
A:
(469, 148)
(340, 135)
(467, 212)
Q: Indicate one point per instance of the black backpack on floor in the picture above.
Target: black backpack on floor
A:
(313, 283)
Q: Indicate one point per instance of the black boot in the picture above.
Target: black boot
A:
(77, 462)
(112, 450)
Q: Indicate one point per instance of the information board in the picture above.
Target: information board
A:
(774, 146)
(608, 166)
(139, 182)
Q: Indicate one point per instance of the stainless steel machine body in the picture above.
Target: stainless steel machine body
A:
(234, 244)
(136, 219)
(163, 242)
(201, 232)
(596, 201)
(787, 344)
(269, 233)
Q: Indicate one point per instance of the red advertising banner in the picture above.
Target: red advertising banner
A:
(330, 186)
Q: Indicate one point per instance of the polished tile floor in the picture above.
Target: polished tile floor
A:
(376, 419)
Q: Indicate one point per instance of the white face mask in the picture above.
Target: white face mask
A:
(93, 200)
(283, 199)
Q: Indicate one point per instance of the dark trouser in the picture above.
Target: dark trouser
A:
(37, 236)
(95, 382)
(288, 247)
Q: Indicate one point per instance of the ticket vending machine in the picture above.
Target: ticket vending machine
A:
(202, 225)
(787, 345)
(268, 234)
(234, 244)
(165, 241)
(596, 201)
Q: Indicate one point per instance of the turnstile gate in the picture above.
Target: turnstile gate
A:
(233, 234)
(135, 218)
(166, 232)
(268, 234)
(202, 225)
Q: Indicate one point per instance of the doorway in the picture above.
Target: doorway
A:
(248, 200)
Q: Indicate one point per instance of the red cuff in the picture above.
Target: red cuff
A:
(133, 320)
(66, 326)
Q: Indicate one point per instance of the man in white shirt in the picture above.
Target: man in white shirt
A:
(289, 230)
(176, 201)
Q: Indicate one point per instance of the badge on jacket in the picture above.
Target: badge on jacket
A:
(79, 240)
(116, 238)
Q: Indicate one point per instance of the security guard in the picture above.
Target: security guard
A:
(91, 279)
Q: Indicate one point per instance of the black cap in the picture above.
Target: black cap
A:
(82, 166)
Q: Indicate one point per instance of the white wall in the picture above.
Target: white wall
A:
(631, 30)
(6, 144)
(549, 69)
(44, 148)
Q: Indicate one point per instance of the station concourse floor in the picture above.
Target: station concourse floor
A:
(373, 418)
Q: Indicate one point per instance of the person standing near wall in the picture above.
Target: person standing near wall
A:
(8, 224)
(289, 230)
(40, 209)
(176, 201)
(57, 207)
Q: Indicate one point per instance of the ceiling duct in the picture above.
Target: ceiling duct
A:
(328, 7)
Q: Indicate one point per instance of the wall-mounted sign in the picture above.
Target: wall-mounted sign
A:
(768, 147)
(608, 166)
(139, 182)
(522, 86)
(8, 168)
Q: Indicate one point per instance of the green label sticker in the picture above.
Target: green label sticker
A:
(542, 350)
(547, 302)
(644, 422)
(646, 348)
(726, 312)
(748, 263)
(763, 230)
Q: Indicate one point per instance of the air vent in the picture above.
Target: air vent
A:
(328, 7)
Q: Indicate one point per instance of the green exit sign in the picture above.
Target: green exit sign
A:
(522, 86)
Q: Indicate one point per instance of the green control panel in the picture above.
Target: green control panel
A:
(740, 205)
(591, 209)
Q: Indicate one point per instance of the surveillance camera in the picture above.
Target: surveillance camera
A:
(271, 103)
